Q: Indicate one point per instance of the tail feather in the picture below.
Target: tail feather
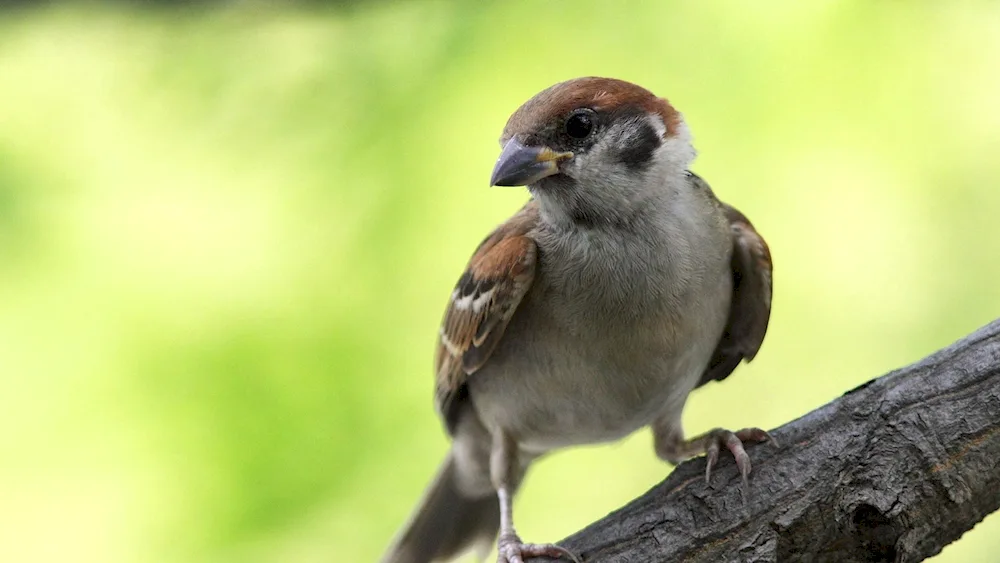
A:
(446, 523)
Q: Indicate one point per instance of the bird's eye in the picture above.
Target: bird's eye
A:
(579, 124)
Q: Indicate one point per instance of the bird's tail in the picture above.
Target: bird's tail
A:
(446, 523)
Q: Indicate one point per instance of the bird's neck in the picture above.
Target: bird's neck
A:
(570, 208)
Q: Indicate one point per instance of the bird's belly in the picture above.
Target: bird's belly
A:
(563, 394)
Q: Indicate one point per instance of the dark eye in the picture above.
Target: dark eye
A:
(580, 123)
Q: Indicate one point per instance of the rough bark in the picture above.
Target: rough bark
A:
(892, 471)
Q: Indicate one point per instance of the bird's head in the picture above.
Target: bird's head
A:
(590, 149)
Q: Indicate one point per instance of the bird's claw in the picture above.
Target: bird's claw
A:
(510, 549)
(733, 441)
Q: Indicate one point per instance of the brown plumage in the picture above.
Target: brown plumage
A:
(596, 93)
(485, 297)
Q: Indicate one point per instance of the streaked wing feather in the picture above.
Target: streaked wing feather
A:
(482, 304)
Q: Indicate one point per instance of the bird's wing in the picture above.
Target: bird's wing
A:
(483, 302)
(750, 308)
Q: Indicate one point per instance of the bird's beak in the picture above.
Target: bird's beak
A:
(521, 165)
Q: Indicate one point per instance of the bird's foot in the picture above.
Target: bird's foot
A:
(718, 438)
(510, 549)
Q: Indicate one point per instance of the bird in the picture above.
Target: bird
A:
(621, 285)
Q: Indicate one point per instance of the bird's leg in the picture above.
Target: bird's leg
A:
(503, 470)
(671, 446)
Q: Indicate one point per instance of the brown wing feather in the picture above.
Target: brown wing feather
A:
(483, 302)
(750, 309)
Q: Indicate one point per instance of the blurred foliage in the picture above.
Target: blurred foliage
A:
(227, 235)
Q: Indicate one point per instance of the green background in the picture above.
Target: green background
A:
(227, 236)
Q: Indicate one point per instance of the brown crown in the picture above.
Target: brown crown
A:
(599, 94)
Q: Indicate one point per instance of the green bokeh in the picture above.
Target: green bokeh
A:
(228, 234)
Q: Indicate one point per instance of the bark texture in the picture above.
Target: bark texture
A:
(892, 471)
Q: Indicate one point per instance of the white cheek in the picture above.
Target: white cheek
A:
(677, 152)
(603, 173)
(658, 126)
(604, 182)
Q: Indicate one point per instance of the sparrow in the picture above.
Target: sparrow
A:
(622, 285)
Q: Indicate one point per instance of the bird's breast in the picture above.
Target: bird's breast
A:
(608, 279)
(594, 356)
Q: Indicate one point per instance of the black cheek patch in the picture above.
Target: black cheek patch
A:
(639, 152)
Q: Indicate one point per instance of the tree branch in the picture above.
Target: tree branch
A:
(892, 471)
